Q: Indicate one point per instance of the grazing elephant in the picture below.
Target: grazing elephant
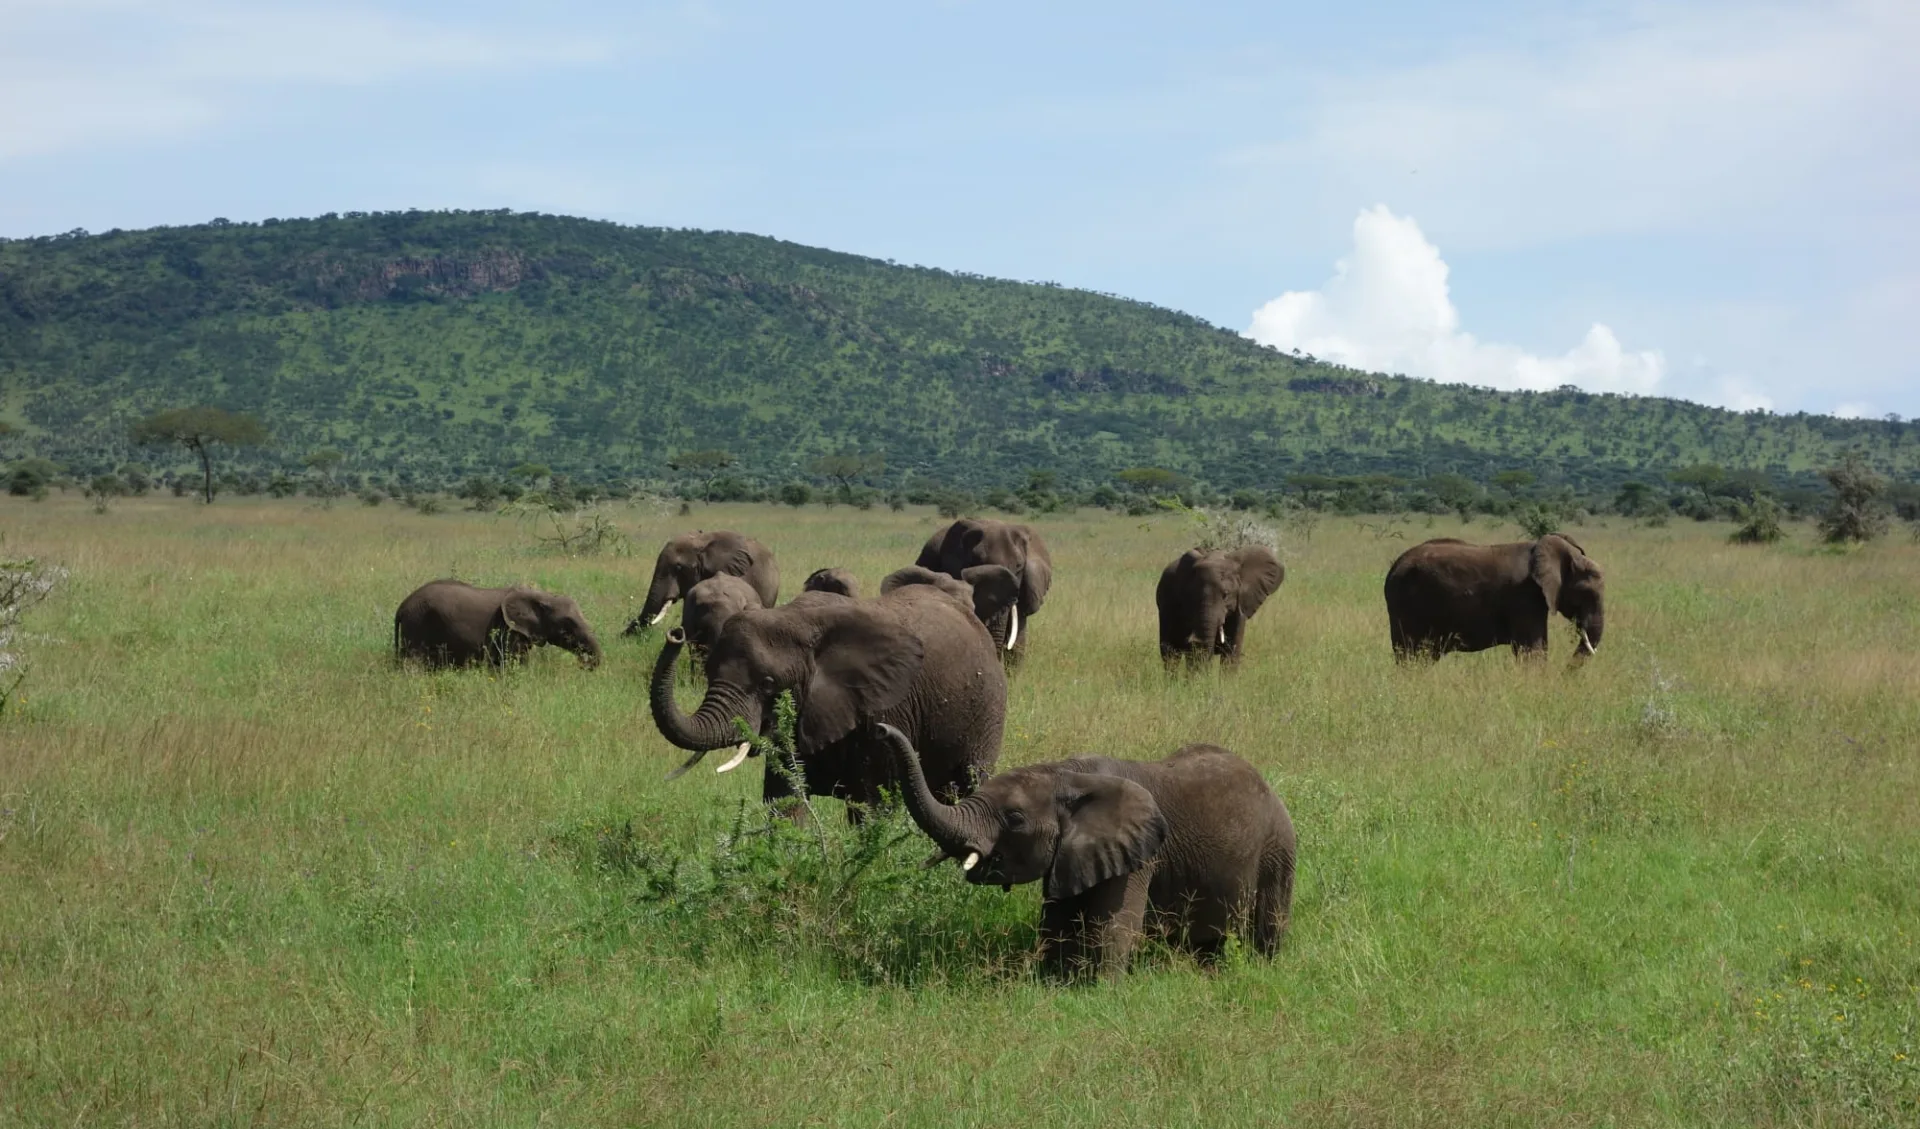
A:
(692, 557)
(916, 657)
(710, 604)
(970, 542)
(836, 580)
(1192, 848)
(1207, 597)
(1446, 595)
(452, 623)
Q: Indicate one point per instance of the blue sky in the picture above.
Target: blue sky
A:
(1716, 201)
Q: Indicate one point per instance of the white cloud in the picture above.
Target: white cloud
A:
(1854, 409)
(147, 72)
(1387, 309)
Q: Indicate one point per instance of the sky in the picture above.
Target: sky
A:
(1715, 201)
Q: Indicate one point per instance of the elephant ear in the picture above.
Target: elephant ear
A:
(1109, 826)
(524, 612)
(1260, 575)
(935, 547)
(726, 555)
(1037, 574)
(1552, 561)
(863, 664)
(994, 590)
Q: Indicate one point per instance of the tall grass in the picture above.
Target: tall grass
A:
(252, 874)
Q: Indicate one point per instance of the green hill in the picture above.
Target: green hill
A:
(444, 344)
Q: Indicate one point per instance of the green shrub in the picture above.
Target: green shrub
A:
(1858, 510)
(1759, 522)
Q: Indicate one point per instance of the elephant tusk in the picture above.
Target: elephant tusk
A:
(739, 754)
(1588, 644)
(661, 614)
(689, 763)
(972, 860)
(1013, 632)
(1223, 635)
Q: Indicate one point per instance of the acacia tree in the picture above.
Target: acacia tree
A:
(1858, 511)
(708, 465)
(197, 429)
(845, 469)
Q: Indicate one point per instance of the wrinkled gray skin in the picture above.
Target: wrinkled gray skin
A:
(836, 580)
(710, 604)
(452, 623)
(1207, 597)
(1191, 848)
(916, 658)
(692, 557)
(1017, 548)
(1447, 595)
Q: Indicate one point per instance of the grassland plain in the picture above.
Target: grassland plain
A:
(252, 875)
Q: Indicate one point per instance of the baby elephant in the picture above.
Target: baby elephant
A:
(710, 604)
(452, 623)
(1193, 847)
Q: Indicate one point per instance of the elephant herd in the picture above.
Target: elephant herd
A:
(906, 692)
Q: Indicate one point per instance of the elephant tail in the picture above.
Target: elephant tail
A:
(1273, 905)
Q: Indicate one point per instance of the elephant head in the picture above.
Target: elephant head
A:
(684, 562)
(838, 581)
(843, 661)
(535, 617)
(1223, 582)
(711, 603)
(1573, 586)
(1051, 823)
(986, 590)
(971, 542)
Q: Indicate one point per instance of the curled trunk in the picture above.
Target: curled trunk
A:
(711, 726)
(954, 828)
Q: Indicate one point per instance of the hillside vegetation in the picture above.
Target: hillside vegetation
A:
(442, 345)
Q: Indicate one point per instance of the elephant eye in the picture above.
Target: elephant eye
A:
(766, 683)
(1016, 820)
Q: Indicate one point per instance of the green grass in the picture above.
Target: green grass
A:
(253, 875)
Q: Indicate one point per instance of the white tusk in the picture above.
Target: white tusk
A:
(1013, 632)
(662, 614)
(1588, 644)
(1223, 635)
(972, 860)
(739, 755)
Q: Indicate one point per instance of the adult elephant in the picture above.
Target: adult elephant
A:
(452, 623)
(972, 542)
(690, 558)
(1207, 596)
(1194, 848)
(1447, 595)
(917, 658)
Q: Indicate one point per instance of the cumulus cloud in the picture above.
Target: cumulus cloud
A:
(1387, 309)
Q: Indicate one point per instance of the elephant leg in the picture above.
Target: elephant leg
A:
(1094, 933)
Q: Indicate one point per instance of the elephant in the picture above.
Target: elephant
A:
(688, 559)
(1192, 848)
(836, 580)
(917, 657)
(1447, 595)
(710, 604)
(1207, 596)
(452, 623)
(971, 542)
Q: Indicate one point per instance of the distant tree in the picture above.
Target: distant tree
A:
(136, 478)
(29, 478)
(706, 465)
(845, 470)
(1759, 522)
(796, 494)
(1858, 510)
(1513, 481)
(103, 489)
(197, 429)
(531, 472)
(1703, 477)
(1154, 480)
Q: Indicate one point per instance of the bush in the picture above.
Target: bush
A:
(29, 478)
(1858, 511)
(371, 497)
(1759, 522)
(1538, 519)
(954, 503)
(796, 494)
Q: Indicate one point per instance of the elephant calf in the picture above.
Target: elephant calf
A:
(452, 623)
(1193, 847)
(710, 604)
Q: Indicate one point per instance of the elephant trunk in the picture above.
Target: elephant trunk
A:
(1591, 628)
(711, 726)
(660, 594)
(958, 829)
(589, 652)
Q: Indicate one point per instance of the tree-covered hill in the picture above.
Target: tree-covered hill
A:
(445, 344)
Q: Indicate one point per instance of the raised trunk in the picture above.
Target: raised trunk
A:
(949, 826)
(711, 726)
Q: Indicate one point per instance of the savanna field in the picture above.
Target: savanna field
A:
(251, 874)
